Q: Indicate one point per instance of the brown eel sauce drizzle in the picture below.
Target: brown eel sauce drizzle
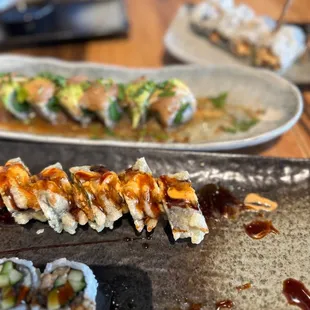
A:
(224, 304)
(217, 201)
(259, 229)
(296, 294)
(243, 287)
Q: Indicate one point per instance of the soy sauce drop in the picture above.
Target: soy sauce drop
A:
(259, 229)
(296, 294)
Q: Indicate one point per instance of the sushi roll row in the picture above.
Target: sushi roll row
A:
(239, 30)
(63, 285)
(99, 197)
(51, 96)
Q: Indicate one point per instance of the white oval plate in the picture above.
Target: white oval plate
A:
(252, 87)
(182, 42)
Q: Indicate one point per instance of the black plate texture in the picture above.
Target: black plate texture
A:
(143, 273)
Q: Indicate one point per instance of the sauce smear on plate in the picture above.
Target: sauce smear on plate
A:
(296, 294)
(259, 229)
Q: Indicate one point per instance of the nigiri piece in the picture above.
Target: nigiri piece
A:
(69, 98)
(142, 195)
(17, 194)
(173, 103)
(54, 193)
(13, 100)
(101, 98)
(40, 92)
(182, 208)
(137, 98)
(103, 189)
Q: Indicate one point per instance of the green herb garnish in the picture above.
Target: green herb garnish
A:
(59, 80)
(242, 126)
(166, 93)
(114, 111)
(20, 107)
(53, 104)
(219, 101)
(121, 92)
(179, 116)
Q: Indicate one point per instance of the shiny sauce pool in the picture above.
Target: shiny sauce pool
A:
(296, 294)
(259, 229)
(224, 304)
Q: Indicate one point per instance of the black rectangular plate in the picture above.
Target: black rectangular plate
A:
(158, 274)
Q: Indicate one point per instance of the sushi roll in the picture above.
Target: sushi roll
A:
(101, 99)
(17, 194)
(182, 208)
(54, 194)
(69, 97)
(102, 187)
(137, 100)
(249, 34)
(173, 103)
(18, 282)
(67, 285)
(142, 195)
(40, 92)
(13, 98)
(279, 50)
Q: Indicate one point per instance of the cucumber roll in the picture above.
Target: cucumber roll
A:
(69, 97)
(101, 99)
(182, 208)
(142, 195)
(18, 282)
(13, 99)
(39, 92)
(102, 187)
(173, 103)
(54, 193)
(137, 99)
(67, 285)
(17, 194)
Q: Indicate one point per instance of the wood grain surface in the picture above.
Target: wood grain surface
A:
(149, 19)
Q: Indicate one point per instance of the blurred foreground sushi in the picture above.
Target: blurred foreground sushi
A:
(67, 285)
(19, 280)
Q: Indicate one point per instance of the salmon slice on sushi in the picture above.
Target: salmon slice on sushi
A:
(142, 195)
(67, 285)
(182, 208)
(101, 98)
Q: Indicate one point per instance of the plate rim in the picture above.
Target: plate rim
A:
(206, 146)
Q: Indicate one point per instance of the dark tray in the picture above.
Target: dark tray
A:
(159, 274)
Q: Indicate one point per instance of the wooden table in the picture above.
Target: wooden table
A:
(149, 20)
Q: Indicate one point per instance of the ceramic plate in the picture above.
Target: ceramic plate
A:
(182, 42)
(280, 99)
(155, 274)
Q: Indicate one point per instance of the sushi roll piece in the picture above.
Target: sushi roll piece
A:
(55, 196)
(19, 280)
(101, 99)
(249, 34)
(137, 99)
(69, 97)
(142, 195)
(67, 285)
(279, 50)
(17, 194)
(173, 103)
(103, 191)
(13, 99)
(182, 208)
(40, 92)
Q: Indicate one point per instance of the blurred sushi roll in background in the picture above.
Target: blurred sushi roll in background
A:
(12, 97)
(182, 208)
(279, 50)
(142, 195)
(137, 100)
(173, 103)
(101, 98)
(67, 285)
(19, 280)
(16, 192)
